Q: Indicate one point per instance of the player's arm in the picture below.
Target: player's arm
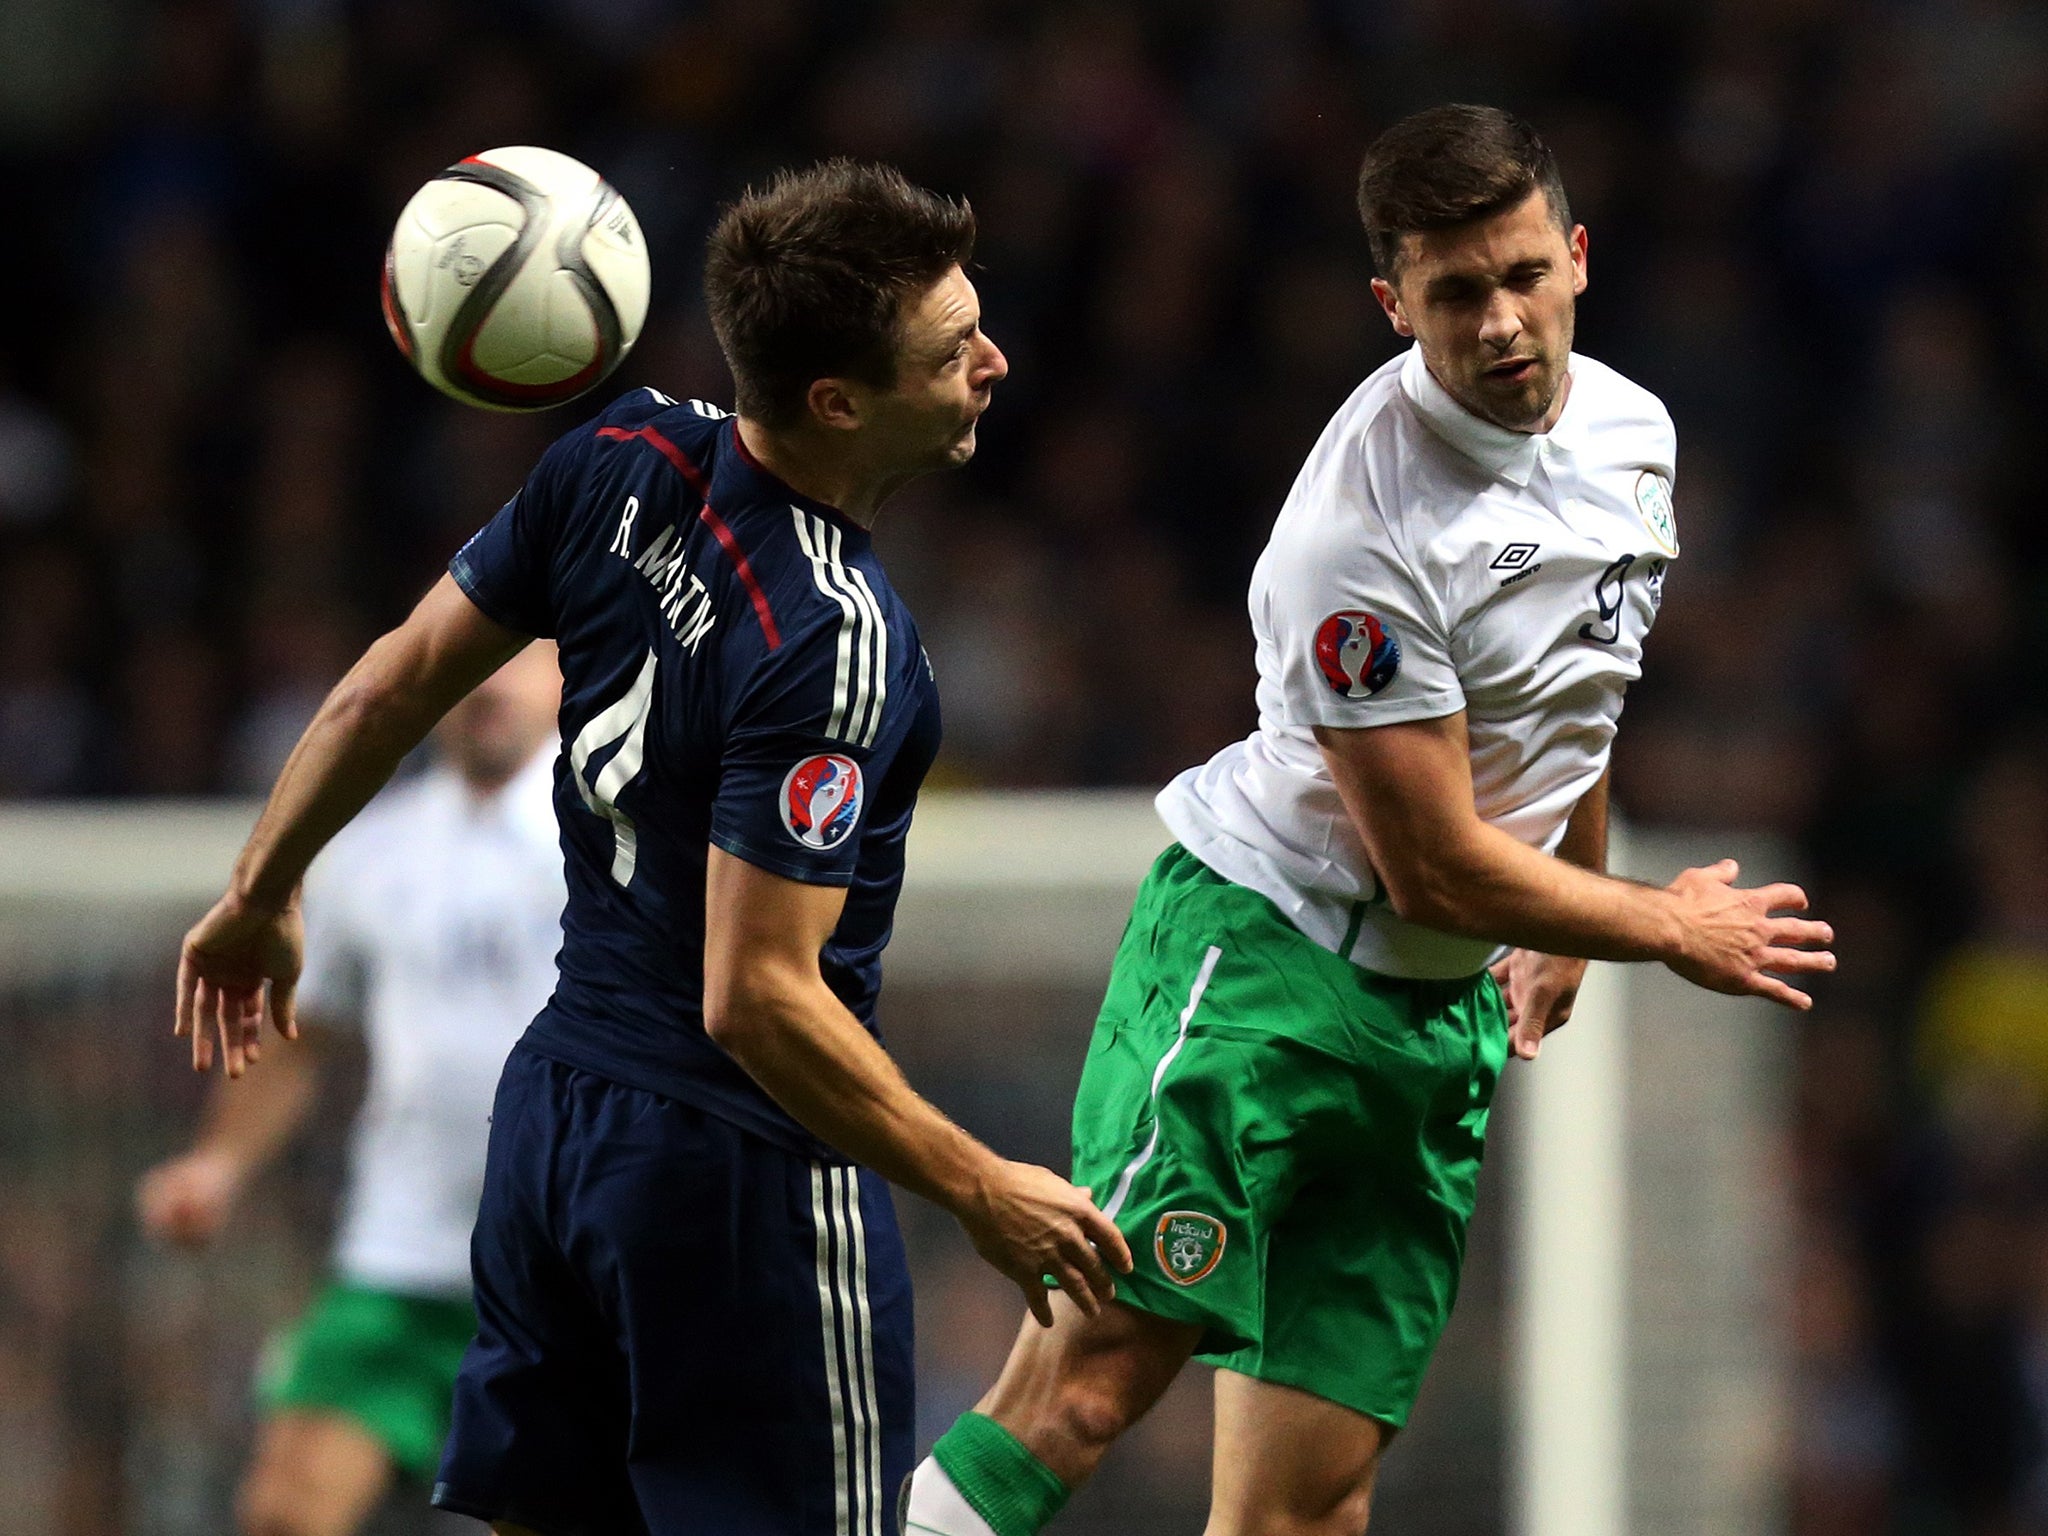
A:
(1541, 990)
(249, 944)
(187, 1199)
(766, 1003)
(1408, 789)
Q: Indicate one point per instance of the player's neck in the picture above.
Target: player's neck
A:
(814, 470)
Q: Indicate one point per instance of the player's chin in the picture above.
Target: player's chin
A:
(959, 449)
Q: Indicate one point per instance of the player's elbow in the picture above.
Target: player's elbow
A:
(743, 1002)
(1430, 890)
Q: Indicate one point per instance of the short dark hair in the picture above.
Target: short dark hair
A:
(808, 278)
(1447, 166)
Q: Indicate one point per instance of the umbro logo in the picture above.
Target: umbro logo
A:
(1514, 557)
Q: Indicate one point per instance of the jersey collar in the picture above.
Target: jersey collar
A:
(1511, 456)
(770, 487)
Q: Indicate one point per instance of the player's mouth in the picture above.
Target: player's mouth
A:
(1514, 370)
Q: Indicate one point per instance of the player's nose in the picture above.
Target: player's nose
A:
(994, 366)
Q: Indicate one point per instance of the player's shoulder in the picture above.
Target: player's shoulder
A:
(1346, 489)
(1614, 406)
(656, 418)
(638, 407)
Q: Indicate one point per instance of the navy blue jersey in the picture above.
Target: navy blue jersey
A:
(736, 670)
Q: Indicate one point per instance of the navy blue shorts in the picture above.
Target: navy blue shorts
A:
(682, 1329)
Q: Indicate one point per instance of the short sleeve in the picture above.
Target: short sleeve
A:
(806, 743)
(506, 566)
(1359, 640)
(334, 983)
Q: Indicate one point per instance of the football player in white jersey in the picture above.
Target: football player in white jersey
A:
(431, 924)
(1394, 882)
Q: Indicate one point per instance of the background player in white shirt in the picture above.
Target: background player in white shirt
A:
(1286, 1097)
(431, 924)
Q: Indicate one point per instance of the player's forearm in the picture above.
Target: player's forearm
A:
(249, 1120)
(1485, 884)
(799, 1042)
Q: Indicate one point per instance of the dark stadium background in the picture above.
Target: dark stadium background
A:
(1819, 229)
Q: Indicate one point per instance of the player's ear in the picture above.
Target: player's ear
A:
(833, 405)
(1578, 245)
(1390, 301)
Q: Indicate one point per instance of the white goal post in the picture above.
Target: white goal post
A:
(1646, 1379)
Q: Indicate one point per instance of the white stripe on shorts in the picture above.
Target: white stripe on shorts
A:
(1123, 1183)
(847, 1330)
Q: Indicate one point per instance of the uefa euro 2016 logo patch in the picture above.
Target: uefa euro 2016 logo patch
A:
(1358, 654)
(821, 800)
(1188, 1245)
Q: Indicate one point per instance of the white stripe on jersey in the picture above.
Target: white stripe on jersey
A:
(859, 682)
(707, 410)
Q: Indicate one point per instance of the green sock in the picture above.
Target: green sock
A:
(1010, 1488)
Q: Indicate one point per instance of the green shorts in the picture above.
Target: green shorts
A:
(386, 1360)
(1290, 1144)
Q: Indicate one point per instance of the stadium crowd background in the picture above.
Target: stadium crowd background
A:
(1819, 229)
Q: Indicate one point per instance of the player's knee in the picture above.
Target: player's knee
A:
(271, 1502)
(279, 1501)
(1092, 1415)
(1345, 1514)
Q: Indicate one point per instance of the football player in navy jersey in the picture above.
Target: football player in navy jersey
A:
(693, 1311)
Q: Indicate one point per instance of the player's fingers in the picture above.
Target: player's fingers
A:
(1525, 1042)
(1077, 1285)
(1499, 970)
(202, 1031)
(1808, 962)
(1724, 870)
(1783, 897)
(1108, 1241)
(1037, 1300)
(229, 1024)
(1757, 984)
(1088, 1267)
(181, 1024)
(284, 1008)
(1798, 930)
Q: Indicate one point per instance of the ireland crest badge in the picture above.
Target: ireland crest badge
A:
(1188, 1245)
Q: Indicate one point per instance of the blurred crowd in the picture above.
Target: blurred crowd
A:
(1818, 229)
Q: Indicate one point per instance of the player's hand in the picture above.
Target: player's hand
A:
(188, 1199)
(1540, 991)
(236, 960)
(1030, 1223)
(1734, 938)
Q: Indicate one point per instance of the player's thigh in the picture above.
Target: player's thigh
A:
(540, 1419)
(313, 1473)
(768, 1318)
(1067, 1391)
(1288, 1463)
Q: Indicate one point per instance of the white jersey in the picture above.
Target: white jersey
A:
(1427, 561)
(433, 919)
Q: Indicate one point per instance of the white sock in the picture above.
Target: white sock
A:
(935, 1507)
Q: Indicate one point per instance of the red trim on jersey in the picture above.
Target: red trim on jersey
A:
(709, 519)
(738, 556)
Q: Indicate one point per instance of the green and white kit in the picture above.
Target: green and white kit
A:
(1290, 1144)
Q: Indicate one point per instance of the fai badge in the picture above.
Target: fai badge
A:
(1653, 505)
(821, 800)
(1358, 654)
(1188, 1245)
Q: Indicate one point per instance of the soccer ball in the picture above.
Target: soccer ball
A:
(516, 279)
